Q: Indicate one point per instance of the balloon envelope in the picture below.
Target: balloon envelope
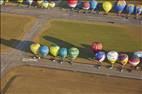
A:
(121, 4)
(72, 3)
(112, 56)
(123, 59)
(30, 1)
(20, 1)
(52, 4)
(96, 46)
(44, 50)
(100, 56)
(63, 52)
(54, 50)
(1, 2)
(138, 53)
(35, 48)
(130, 8)
(73, 52)
(45, 4)
(139, 9)
(86, 5)
(93, 4)
(134, 60)
(107, 6)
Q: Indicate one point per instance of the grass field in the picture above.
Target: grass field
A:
(13, 28)
(30, 80)
(123, 38)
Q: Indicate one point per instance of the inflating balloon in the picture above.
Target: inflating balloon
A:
(93, 4)
(35, 48)
(44, 50)
(73, 53)
(121, 4)
(138, 53)
(134, 60)
(139, 9)
(1, 2)
(54, 50)
(72, 3)
(123, 59)
(30, 2)
(52, 4)
(86, 5)
(130, 8)
(96, 46)
(63, 52)
(112, 56)
(45, 4)
(100, 56)
(107, 6)
(39, 3)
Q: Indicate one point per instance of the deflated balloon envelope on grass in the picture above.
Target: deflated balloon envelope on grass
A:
(120, 5)
(44, 50)
(107, 6)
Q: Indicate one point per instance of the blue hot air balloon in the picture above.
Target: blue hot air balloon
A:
(63, 52)
(139, 9)
(93, 4)
(130, 8)
(44, 50)
(120, 5)
(100, 56)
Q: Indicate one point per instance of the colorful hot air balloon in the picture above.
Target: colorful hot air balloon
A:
(121, 4)
(134, 60)
(96, 46)
(112, 56)
(45, 4)
(130, 8)
(73, 53)
(107, 6)
(1, 2)
(44, 50)
(139, 9)
(86, 5)
(52, 4)
(138, 53)
(29, 2)
(72, 3)
(54, 50)
(123, 59)
(100, 56)
(63, 52)
(93, 4)
(35, 48)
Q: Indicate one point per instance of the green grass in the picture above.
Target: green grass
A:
(81, 35)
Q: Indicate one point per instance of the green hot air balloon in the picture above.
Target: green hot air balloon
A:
(73, 53)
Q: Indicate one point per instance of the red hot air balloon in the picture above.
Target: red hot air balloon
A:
(96, 46)
(72, 3)
(86, 5)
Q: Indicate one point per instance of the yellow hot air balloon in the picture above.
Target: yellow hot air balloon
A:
(52, 4)
(34, 48)
(107, 6)
(39, 3)
(54, 49)
(20, 1)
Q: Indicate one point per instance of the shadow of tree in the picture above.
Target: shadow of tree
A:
(14, 43)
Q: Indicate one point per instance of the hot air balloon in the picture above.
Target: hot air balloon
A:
(73, 53)
(123, 59)
(93, 4)
(100, 56)
(72, 3)
(1, 2)
(139, 54)
(96, 46)
(130, 8)
(107, 6)
(138, 9)
(44, 50)
(121, 4)
(39, 3)
(52, 4)
(45, 4)
(86, 5)
(20, 2)
(63, 52)
(134, 60)
(54, 50)
(35, 48)
(112, 56)
(29, 2)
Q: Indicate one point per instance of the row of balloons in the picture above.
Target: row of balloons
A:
(119, 6)
(97, 48)
(40, 3)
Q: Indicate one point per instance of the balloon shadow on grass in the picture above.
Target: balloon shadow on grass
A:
(85, 51)
(17, 44)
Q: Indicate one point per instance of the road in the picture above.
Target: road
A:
(15, 57)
